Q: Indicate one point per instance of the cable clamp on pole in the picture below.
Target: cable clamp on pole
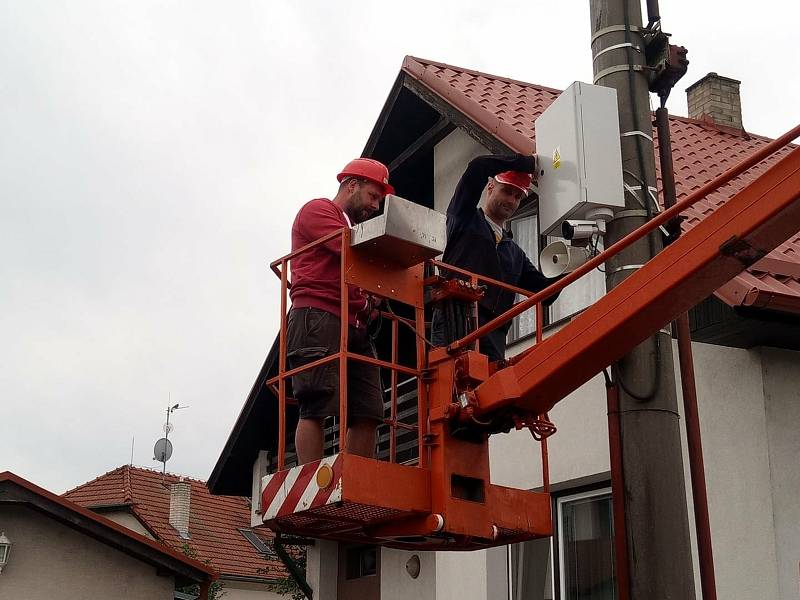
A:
(616, 69)
(617, 47)
(614, 28)
(650, 190)
(639, 133)
(624, 268)
(624, 214)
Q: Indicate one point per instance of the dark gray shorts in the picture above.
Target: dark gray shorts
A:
(312, 334)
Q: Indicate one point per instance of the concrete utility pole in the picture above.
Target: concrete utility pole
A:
(656, 523)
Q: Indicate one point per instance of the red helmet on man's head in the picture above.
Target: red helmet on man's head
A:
(518, 179)
(366, 168)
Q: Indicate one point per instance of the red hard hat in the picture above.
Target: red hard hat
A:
(520, 180)
(367, 168)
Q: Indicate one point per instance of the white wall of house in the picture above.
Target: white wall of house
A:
(50, 560)
(322, 569)
(461, 575)
(259, 471)
(781, 375)
(397, 584)
(730, 391)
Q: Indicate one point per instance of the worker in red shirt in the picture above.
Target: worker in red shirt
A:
(313, 321)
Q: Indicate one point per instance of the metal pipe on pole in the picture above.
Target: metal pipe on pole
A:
(656, 516)
(691, 415)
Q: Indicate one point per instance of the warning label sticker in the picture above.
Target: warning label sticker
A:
(557, 157)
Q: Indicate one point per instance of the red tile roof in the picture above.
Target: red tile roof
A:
(214, 521)
(507, 108)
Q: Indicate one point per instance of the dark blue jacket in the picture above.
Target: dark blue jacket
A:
(471, 244)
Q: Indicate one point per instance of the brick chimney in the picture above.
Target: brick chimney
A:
(180, 494)
(717, 98)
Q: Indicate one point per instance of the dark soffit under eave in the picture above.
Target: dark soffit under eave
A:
(393, 111)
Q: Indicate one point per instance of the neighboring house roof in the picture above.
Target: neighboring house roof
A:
(16, 490)
(215, 522)
(506, 109)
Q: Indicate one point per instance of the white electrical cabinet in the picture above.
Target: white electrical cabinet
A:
(578, 154)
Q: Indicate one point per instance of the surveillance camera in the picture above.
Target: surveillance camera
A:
(581, 230)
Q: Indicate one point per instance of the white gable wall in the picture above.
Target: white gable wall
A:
(126, 519)
(450, 157)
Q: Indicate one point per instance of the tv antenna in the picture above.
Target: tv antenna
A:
(162, 451)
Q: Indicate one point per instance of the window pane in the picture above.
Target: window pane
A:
(531, 571)
(577, 296)
(361, 562)
(526, 234)
(587, 549)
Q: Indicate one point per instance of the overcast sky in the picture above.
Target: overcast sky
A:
(152, 157)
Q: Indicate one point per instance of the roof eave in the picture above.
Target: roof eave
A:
(493, 125)
(738, 293)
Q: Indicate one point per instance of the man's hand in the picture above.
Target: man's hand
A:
(371, 309)
(534, 164)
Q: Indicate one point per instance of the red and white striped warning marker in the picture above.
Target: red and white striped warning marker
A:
(308, 486)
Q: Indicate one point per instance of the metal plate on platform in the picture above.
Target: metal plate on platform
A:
(405, 234)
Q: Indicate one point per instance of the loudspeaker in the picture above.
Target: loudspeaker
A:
(559, 258)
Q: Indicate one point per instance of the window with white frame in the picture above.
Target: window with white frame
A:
(586, 547)
(580, 294)
(579, 562)
(531, 570)
(574, 298)
(525, 229)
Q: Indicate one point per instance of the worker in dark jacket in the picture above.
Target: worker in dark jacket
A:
(478, 242)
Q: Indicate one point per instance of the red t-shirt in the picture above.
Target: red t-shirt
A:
(316, 274)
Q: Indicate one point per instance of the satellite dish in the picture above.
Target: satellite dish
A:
(168, 427)
(162, 450)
